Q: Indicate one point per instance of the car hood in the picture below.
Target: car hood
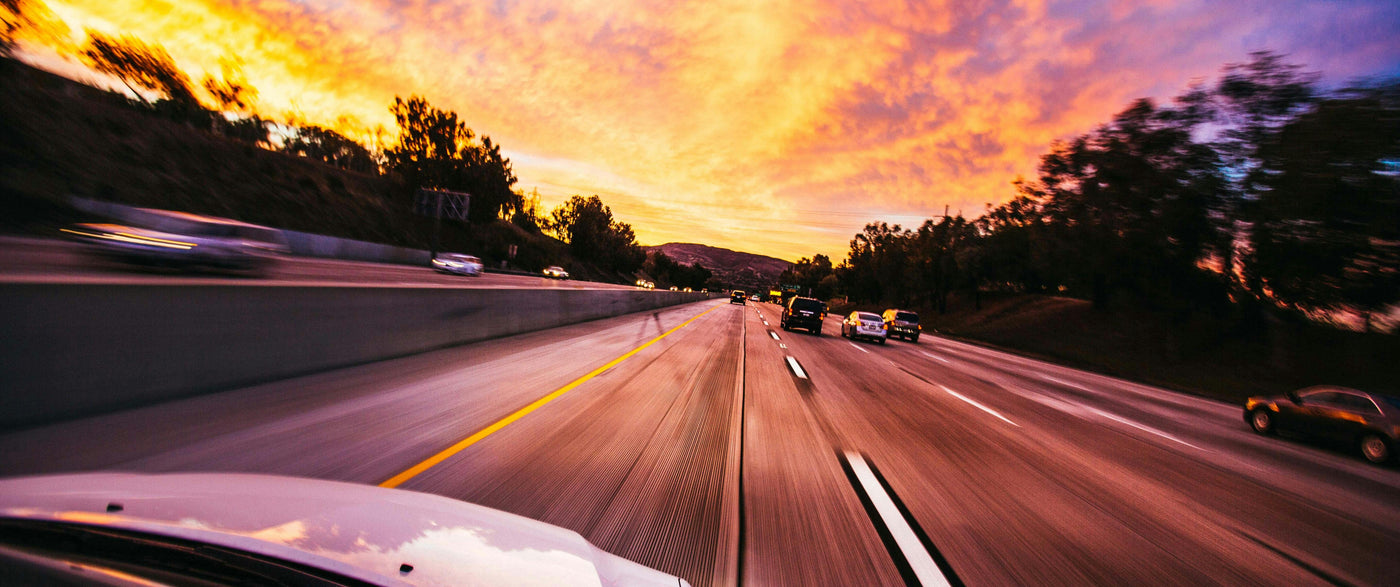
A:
(359, 531)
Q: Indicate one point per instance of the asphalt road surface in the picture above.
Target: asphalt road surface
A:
(707, 442)
(56, 260)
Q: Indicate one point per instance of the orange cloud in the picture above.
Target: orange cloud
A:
(777, 127)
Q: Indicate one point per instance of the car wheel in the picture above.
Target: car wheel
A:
(882, 341)
(818, 331)
(1262, 421)
(1375, 448)
(914, 338)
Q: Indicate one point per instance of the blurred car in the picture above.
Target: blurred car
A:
(556, 272)
(457, 263)
(737, 297)
(686, 290)
(902, 323)
(182, 240)
(673, 288)
(753, 298)
(867, 325)
(1368, 421)
(805, 313)
(240, 529)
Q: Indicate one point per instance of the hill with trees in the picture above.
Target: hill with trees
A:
(733, 269)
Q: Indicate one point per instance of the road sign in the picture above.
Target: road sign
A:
(441, 204)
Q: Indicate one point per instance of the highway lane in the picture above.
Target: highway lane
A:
(1026, 472)
(702, 441)
(32, 260)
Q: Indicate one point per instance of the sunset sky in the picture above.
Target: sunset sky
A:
(778, 128)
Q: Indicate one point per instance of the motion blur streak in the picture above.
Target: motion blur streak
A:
(432, 461)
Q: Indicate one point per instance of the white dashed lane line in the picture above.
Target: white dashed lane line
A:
(796, 368)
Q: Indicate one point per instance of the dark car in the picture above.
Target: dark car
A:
(1369, 421)
(737, 297)
(805, 313)
(903, 324)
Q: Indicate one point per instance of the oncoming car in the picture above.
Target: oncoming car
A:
(556, 272)
(865, 325)
(183, 240)
(457, 263)
(1368, 421)
(242, 529)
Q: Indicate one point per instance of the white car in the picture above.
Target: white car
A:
(556, 272)
(458, 263)
(865, 325)
(227, 528)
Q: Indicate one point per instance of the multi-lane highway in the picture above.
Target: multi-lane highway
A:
(707, 442)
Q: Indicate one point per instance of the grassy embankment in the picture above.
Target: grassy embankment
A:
(1203, 359)
(59, 138)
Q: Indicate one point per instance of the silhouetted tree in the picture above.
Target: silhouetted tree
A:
(231, 91)
(1326, 223)
(138, 65)
(594, 235)
(436, 150)
(330, 147)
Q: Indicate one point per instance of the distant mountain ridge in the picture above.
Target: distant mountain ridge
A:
(736, 268)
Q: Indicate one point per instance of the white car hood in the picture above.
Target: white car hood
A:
(359, 531)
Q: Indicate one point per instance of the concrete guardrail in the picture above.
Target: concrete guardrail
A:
(74, 349)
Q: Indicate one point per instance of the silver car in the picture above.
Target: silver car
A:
(864, 325)
(458, 263)
(184, 240)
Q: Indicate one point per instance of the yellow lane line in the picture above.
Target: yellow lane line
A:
(432, 461)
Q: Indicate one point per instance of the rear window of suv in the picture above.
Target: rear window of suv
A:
(808, 304)
(906, 317)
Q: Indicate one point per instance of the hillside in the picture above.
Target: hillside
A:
(1194, 357)
(735, 268)
(60, 138)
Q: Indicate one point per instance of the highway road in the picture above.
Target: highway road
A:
(35, 260)
(707, 442)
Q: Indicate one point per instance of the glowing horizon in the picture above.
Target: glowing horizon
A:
(779, 128)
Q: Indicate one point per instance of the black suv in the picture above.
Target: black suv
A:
(737, 297)
(903, 323)
(804, 313)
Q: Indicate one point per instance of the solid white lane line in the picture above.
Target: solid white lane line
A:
(858, 348)
(782, 346)
(774, 335)
(1147, 429)
(796, 369)
(919, 559)
(978, 406)
(934, 357)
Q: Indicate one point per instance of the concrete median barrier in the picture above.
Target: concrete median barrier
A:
(73, 349)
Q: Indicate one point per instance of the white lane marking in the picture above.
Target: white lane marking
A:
(782, 346)
(1147, 429)
(858, 348)
(933, 356)
(774, 335)
(978, 406)
(919, 559)
(796, 369)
